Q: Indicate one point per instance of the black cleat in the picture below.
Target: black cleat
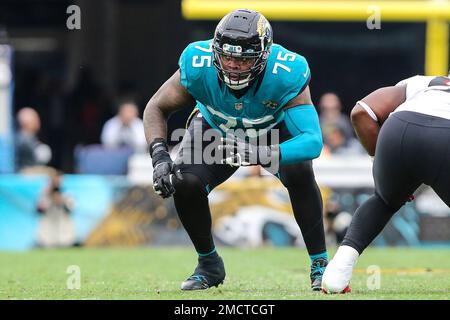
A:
(210, 272)
(317, 269)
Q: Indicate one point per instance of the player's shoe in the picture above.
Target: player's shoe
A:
(208, 273)
(336, 278)
(317, 269)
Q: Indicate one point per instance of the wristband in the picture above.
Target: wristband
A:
(159, 152)
(368, 110)
(158, 145)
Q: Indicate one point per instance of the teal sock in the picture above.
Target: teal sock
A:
(212, 254)
(323, 255)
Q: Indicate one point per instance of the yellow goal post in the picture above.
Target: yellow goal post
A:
(435, 13)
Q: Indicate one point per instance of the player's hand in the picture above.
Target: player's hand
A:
(238, 152)
(164, 171)
(242, 153)
(164, 175)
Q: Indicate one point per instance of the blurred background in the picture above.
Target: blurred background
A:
(74, 73)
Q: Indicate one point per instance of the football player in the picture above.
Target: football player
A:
(407, 128)
(239, 80)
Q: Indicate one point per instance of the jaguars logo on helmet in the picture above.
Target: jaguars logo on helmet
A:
(263, 26)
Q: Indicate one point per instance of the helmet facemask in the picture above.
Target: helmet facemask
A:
(238, 79)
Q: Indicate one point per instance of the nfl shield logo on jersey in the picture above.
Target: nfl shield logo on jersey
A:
(270, 104)
(238, 105)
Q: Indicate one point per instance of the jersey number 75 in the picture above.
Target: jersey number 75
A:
(281, 57)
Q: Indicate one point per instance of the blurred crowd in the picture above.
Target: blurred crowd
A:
(66, 130)
(338, 134)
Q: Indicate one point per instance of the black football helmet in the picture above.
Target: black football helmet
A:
(242, 34)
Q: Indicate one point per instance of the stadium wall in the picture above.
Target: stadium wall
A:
(247, 212)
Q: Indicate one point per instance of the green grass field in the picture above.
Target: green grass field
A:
(268, 273)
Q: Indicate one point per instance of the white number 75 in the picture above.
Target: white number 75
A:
(198, 64)
(281, 57)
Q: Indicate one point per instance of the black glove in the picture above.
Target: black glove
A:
(242, 153)
(163, 169)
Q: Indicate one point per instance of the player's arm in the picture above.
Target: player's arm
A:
(369, 114)
(302, 121)
(170, 97)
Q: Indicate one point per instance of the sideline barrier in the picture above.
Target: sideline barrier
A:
(247, 211)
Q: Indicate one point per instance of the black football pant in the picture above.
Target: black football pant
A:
(191, 196)
(412, 149)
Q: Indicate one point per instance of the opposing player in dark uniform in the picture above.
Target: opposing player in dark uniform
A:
(407, 128)
(239, 81)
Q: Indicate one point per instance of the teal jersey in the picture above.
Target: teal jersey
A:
(261, 107)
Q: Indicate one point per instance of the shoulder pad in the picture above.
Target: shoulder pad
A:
(290, 71)
(196, 58)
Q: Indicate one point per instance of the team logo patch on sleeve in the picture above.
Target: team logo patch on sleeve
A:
(270, 104)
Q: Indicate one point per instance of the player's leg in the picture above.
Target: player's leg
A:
(307, 205)
(441, 184)
(191, 203)
(413, 149)
(394, 183)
